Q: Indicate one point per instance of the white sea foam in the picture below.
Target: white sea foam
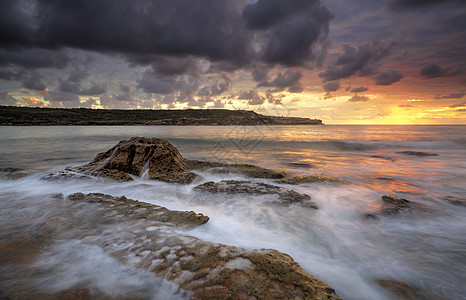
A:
(68, 264)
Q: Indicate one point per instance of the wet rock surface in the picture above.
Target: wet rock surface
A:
(142, 236)
(393, 205)
(285, 195)
(383, 157)
(311, 179)
(12, 173)
(158, 158)
(417, 153)
(458, 201)
(300, 165)
(154, 159)
(400, 289)
(139, 210)
(384, 178)
(244, 169)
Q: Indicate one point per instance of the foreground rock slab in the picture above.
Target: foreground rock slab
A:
(155, 159)
(287, 196)
(139, 210)
(206, 270)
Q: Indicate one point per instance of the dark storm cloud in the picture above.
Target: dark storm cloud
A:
(132, 27)
(33, 81)
(433, 70)
(283, 80)
(259, 74)
(415, 4)
(9, 74)
(357, 98)
(264, 14)
(289, 29)
(176, 66)
(360, 61)
(359, 89)
(93, 90)
(332, 86)
(154, 82)
(212, 29)
(17, 20)
(73, 84)
(176, 40)
(34, 58)
(389, 77)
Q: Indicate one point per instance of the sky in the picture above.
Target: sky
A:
(345, 62)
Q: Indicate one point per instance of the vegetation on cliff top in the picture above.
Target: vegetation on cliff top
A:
(11, 115)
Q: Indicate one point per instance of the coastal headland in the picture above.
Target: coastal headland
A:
(29, 116)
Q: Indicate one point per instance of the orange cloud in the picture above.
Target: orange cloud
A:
(29, 101)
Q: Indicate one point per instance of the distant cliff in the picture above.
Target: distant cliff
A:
(12, 115)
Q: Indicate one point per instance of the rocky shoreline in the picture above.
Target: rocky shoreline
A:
(202, 269)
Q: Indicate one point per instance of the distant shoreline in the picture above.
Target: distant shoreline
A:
(29, 116)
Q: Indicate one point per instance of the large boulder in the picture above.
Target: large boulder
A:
(155, 159)
(149, 157)
(158, 158)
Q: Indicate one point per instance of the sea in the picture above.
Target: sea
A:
(423, 248)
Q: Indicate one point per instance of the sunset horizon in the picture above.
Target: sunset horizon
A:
(360, 62)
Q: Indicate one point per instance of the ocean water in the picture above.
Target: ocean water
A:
(424, 248)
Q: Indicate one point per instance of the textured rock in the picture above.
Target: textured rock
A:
(400, 289)
(140, 210)
(393, 205)
(256, 188)
(245, 169)
(12, 173)
(311, 179)
(153, 159)
(417, 153)
(159, 158)
(206, 270)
